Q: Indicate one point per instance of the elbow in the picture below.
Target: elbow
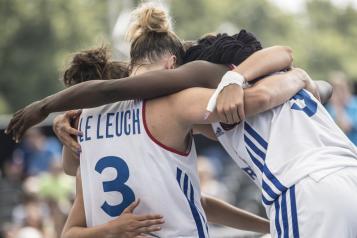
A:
(287, 52)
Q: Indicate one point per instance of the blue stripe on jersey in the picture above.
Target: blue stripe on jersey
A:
(255, 160)
(266, 201)
(192, 195)
(269, 191)
(256, 150)
(178, 176)
(192, 199)
(185, 185)
(273, 179)
(194, 211)
(294, 213)
(277, 222)
(284, 215)
(255, 135)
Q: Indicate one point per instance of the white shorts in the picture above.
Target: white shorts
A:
(318, 208)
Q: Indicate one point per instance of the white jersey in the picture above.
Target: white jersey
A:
(121, 162)
(279, 147)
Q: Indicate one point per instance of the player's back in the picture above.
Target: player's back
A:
(121, 161)
(279, 147)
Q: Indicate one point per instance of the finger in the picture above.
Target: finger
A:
(148, 229)
(132, 206)
(20, 133)
(14, 129)
(72, 131)
(220, 114)
(229, 116)
(74, 145)
(71, 113)
(241, 112)
(148, 223)
(11, 125)
(142, 236)
(148, 217)
(235, 114)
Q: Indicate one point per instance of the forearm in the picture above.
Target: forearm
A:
(149, 85)
(70, 162)
(265, 62)
(268, 93)
(271, 92)
(86, 232)
(222, 213)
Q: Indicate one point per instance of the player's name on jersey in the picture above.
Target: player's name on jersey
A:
(109, 125)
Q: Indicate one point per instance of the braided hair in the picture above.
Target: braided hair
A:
(224, 49)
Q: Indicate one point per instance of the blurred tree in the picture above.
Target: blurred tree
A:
(36, 37)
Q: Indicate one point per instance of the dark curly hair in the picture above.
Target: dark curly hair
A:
(93, 64)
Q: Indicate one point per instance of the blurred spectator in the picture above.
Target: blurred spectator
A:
(56, 189)
(209, 184)
(37, 152)
(343, 106)
(10, 189)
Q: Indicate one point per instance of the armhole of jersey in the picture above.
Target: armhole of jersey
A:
(168, 148)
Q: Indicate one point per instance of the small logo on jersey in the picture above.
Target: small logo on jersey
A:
(250, 172)
(219, 132)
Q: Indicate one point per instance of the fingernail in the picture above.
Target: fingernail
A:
(80, 133)
(5, 131)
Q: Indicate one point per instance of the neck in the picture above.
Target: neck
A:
(140, 69)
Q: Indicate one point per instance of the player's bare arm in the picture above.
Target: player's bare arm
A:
(220, 212)
(148, 85)
(189, 105)
(127, 225)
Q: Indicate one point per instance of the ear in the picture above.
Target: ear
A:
(171, 62)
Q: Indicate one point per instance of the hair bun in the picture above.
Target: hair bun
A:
(149, 17)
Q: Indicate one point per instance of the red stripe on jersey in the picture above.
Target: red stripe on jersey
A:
(186, 153)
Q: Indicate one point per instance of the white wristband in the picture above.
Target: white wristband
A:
(231, 77)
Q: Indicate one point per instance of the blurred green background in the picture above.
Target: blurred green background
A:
(38, 36)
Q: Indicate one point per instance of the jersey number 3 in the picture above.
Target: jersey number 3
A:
(116, 185)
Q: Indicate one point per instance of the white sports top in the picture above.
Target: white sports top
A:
(279, 147)
(121, 161)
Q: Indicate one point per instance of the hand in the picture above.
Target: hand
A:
(25, 118)
(128, 225)
(230, 104)
(65, 132)
(310, 85)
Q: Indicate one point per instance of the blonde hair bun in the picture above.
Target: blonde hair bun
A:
(149, 17)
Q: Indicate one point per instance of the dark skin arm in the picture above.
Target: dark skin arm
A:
(152, 84)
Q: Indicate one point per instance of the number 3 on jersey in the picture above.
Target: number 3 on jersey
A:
(116, 185)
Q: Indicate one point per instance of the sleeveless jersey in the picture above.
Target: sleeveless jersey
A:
(279, 147)
(121, 161)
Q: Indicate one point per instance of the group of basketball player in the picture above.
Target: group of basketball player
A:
(137, 172)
